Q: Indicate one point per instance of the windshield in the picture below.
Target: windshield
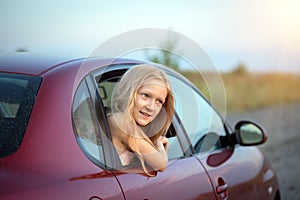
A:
(17, 96)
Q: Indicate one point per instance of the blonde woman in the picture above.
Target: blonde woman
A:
(142, 111)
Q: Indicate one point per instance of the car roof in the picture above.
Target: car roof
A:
(29, 63)
(39, 64)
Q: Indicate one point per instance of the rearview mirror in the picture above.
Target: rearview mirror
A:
(248, 133)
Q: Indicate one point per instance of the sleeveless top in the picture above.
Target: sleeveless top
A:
(126, 157)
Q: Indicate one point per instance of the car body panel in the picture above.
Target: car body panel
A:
(183, 179)
(49, 155)
(34, 64)
(241, 167)
(50, 164)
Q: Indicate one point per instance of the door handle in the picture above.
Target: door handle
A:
(222, 189)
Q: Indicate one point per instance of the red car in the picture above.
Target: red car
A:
(55, 142)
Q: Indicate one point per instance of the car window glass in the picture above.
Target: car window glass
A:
(17, 96)
(197, 116)
(86, 125)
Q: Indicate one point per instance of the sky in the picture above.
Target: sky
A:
(264, 35)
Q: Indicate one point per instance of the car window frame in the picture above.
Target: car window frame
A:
(117, 68)
(112, 160)
(109, 151)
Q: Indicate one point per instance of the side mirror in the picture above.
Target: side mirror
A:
(249, 133)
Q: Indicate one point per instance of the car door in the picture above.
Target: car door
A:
(234, 170)
(184, 178)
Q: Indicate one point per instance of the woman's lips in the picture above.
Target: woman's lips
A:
(145, 114)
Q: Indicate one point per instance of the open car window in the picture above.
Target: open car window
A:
(106, 83)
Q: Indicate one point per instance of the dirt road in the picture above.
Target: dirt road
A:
(283, 146)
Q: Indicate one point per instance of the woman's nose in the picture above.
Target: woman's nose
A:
(151, 104)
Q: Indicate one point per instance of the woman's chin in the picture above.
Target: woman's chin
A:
(142, 122)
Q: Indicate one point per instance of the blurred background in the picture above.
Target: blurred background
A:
(253, 44)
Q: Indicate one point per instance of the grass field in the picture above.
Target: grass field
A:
(249, 91)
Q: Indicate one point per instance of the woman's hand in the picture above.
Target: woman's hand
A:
(164, 141)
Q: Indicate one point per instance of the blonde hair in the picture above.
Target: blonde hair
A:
(123, 101)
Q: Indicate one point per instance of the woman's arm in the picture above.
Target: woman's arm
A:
(155, 157)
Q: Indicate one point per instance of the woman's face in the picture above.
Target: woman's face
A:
(149, 100)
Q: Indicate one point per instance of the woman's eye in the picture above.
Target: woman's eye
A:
(160, 102)
(144, 95)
